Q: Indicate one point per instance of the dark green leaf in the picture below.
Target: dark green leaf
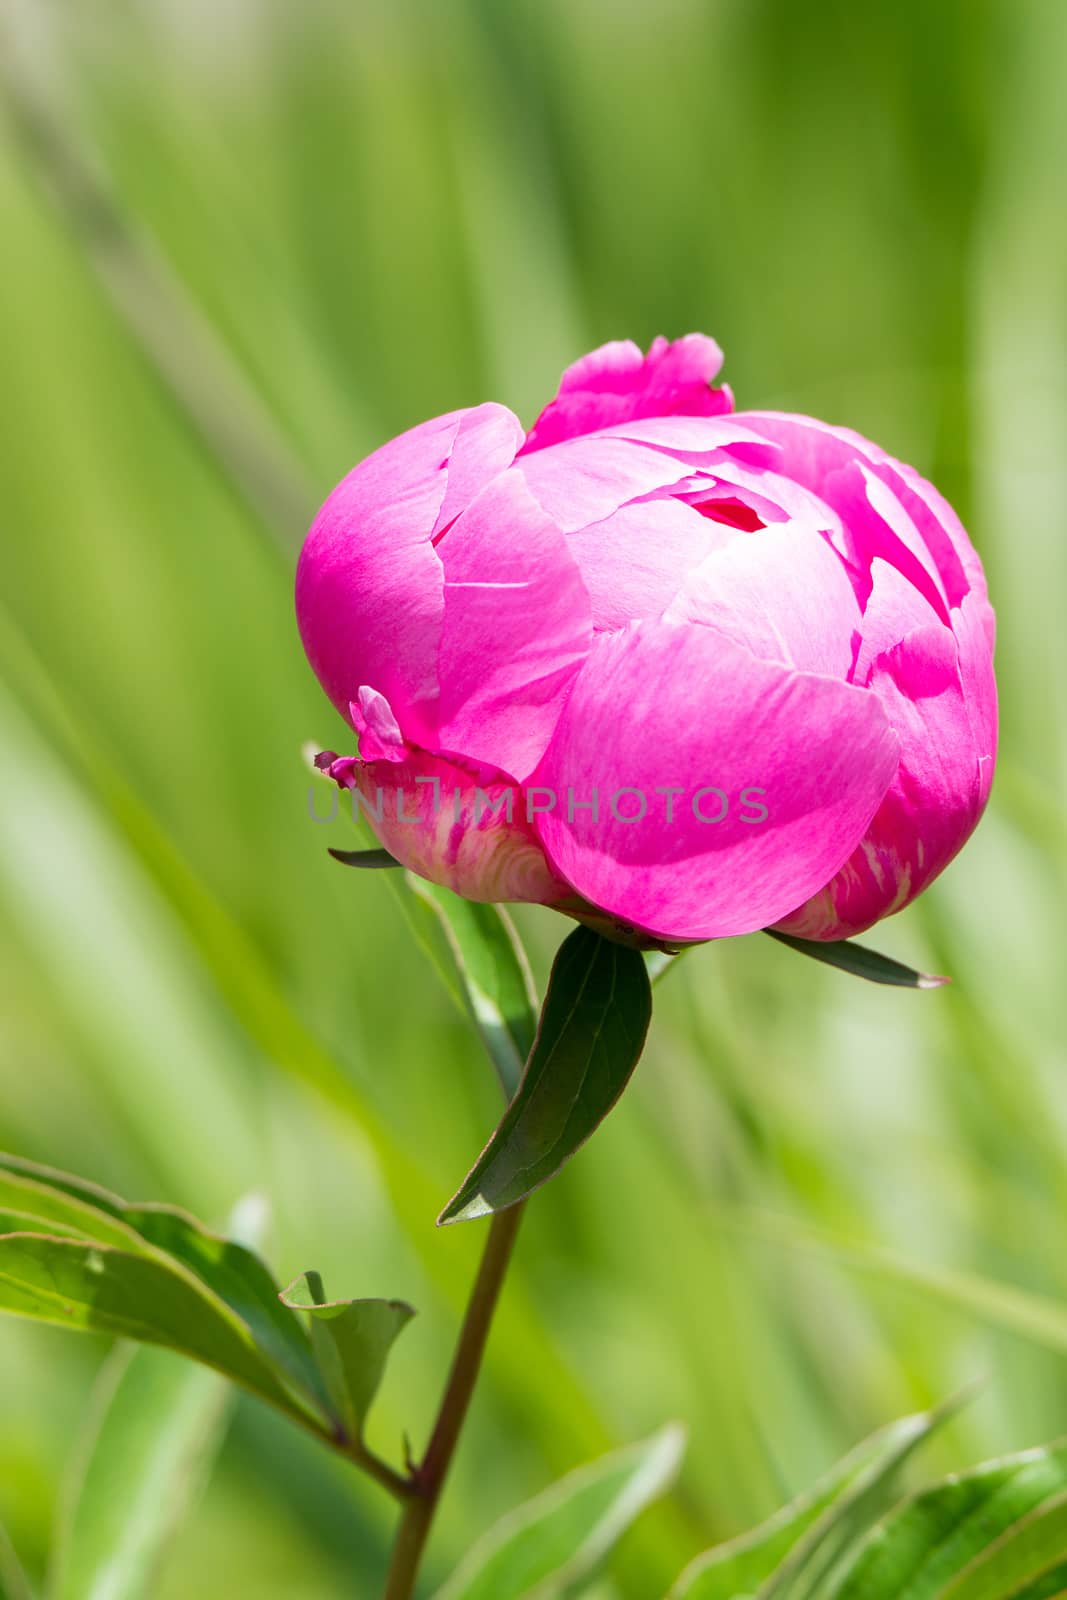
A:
(352, 1340)
(589, 1040)
(861, 962)
(367, 859)
(978, 1536)
(241, 1279)
(548, 1548)
(148, 1447)
(61, 1203)
(493, 972)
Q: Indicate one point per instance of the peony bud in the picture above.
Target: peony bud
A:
(681, 672)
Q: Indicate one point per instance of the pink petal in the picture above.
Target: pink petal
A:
(943, 532)
(894, 609)
(458, 825)
(585, 480)
(662, 704)
(616, 383)
(631, 563)
(783, 592)
(932, 804)
(379, 733)
(517, 627)
(975, 630)
(487, 442)
(887, 509)
(369, 586)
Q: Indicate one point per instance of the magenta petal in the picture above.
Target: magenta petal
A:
(517, 628)
(487, 441)
(975, 629)
(616, 383)
(933, 803)
(379, 733)
(369, 586)
(631, 562)
(888, 510)
(783, 592)
(894, 609)
(663, 705)
(585, 480)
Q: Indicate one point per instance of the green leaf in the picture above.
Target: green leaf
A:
(151, 1439)
(811, 1569)
(352, 1340)
(978, 1536)
(365, 859)
(60, 1203)
(149, 1442)
(37, 1203)
(589, 1040)
(742, 1565)
(795, 1554)
(93, 1287)
(493, 972)
(548, 1548)
(861, 962)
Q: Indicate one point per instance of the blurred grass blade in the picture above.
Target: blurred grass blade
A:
(548, 1548)
(1024, 1312)
(148, 1449)
(978, 1536)
(475, 949)
(589, 1041)
(179, 342)
(14, 1584)
(79, 1284)
(860, 961)
(367, 860)
(810, 1570)
(352, 1340)
(493, 972)
(746, 1562)
(229, 1270)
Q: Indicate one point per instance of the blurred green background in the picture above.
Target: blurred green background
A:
(821, 1203)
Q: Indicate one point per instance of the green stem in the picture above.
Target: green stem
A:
(428, 1479)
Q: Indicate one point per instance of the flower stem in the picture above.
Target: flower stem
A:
(428, 1478)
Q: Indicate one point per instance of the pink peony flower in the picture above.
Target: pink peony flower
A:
(679, 672)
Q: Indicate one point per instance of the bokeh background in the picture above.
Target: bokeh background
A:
(243, 242)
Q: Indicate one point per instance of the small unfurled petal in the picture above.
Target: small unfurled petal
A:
(616, 383)
(379, 733)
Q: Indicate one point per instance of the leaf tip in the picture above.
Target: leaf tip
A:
(460, 1209)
